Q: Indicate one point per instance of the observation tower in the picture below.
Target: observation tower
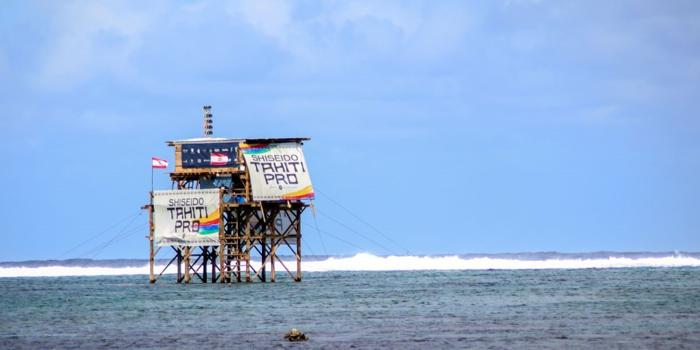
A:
(234, 208)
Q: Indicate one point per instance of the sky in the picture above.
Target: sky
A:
(437, 127)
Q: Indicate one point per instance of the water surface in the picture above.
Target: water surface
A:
(499, 309)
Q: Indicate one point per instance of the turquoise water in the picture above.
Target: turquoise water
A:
(526, 309)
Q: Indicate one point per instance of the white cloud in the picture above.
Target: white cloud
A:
(342, 32)
(91, 38)
(272, 17)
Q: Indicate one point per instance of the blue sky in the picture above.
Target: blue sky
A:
(450, 127)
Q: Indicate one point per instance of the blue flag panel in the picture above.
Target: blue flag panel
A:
(209, 155)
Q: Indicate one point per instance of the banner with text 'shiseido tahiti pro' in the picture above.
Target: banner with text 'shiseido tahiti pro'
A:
(278, 171)
(186, 217)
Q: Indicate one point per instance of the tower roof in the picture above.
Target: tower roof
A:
(228, 140)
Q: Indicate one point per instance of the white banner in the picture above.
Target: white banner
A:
(277, 171)
(186, 217)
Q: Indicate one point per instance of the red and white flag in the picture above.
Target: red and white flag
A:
(158, 163)
(218, 159)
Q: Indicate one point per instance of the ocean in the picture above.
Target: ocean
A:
(499, 301)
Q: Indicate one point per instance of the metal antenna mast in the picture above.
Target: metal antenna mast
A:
(208, 127)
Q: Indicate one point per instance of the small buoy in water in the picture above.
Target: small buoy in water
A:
(295, 335)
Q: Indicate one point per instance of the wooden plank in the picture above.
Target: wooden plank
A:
(285, 267)
(178, 156)
(179, 170)
(168, 265)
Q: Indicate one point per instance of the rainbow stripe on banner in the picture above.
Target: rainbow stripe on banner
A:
(254, 148)
(304, 193)
(210, 224)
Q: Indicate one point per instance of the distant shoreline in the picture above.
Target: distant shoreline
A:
(521, 256)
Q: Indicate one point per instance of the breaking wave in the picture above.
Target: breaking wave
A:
(369, 262)
(58, 271)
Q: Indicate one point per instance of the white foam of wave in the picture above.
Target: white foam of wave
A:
(58, 271)
(369, 262)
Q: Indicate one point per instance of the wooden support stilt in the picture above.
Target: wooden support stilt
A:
(179, 264)
(246, 228)
(263, 257)
(222, 240)
(187, 264)
(273, 245)
(297, 278)
(151, 238)
(213, 264)
(205, 258)
(238, 260)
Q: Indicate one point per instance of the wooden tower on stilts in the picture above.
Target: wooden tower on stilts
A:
(234, 210)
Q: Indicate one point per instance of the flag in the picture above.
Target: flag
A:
(218, 159)
(158, 163)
